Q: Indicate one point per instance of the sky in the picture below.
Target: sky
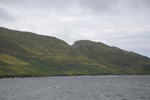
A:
(121, 23)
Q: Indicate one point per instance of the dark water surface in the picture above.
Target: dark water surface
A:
(77, 88)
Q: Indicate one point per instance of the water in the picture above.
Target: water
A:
(77, 88)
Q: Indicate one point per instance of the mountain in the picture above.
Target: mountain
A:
(25, 54)
(113, 57)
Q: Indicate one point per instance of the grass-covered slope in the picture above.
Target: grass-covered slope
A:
(28, 54)
(113, 57)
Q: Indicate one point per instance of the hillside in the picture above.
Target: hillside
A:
(113, 57)
(25, 54)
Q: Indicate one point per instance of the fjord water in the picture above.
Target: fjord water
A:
(126, 87)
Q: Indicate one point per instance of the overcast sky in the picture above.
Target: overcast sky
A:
(121, 23)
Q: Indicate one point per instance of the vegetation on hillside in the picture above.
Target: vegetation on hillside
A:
(113, 57)
(25, 54)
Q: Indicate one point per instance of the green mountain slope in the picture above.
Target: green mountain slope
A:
(28, 54)
(113, 57)
(25, 54)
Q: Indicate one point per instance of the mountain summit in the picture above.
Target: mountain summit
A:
(25, 54)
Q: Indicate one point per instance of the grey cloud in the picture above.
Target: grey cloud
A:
(116, 7)
(98, 5)
(114, 22)
(101, 7)
(5, 16)
(40, 4)
(145, 3)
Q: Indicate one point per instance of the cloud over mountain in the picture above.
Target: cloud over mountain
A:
(124, 23)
